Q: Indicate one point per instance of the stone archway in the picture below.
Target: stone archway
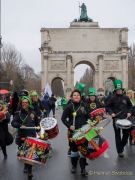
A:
(104, 48)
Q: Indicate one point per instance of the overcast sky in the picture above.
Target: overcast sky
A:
(23, 19)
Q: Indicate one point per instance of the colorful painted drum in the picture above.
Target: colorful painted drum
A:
(98, 114)
(50, 126)
(93, 148)
(34, 151)
(89, 142)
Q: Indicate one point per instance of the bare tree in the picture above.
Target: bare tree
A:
(32, 80)
(15, 69)
(131, 67)
(87, 79)
(11, 61)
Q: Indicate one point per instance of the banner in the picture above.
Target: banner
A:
(48, 90)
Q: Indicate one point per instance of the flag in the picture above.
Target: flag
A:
(48, 90)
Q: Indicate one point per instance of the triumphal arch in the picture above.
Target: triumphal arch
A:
(105, 50)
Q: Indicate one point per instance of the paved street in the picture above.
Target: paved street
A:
(58, 167)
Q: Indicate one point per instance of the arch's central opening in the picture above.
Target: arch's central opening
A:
(84, 72)
(57, 87)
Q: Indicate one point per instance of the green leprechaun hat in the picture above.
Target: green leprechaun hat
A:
(92, 91)
(118, 84)
(84, 94)
(80, 86)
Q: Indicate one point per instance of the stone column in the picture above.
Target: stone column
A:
(45, 69)
(42, 70)
(100, 83)
(69, 71)
(96, 80)
(124, 71)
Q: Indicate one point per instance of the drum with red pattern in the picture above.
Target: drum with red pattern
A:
(34, 151)
(89, 142)
(50, 126)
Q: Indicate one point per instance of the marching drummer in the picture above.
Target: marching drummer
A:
(93, 103)
(74, 117)
(119, 107)
(25, 118)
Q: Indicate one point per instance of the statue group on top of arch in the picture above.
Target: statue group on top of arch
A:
(83, 17)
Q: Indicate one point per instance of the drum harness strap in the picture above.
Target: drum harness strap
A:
(23, 120)
(75, 113)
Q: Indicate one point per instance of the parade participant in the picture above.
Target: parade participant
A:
(45, 104)
(119, 107)
(101, 99)
(4, 120)
(74, 117)
(93, 103)
(14, 102)
(130, 94)
(25, 117)
(64, 102)
(37, 105)
(52, 105)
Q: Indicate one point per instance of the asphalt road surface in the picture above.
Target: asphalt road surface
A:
(107, 166)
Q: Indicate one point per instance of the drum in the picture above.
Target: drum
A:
(79, 135)
(89, 142)
(50, 126)
(133, 135)
(98, 114)
(34, 151)
(2, 116)
(123, 124)
(93, 148)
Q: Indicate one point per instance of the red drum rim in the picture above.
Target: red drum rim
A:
(30, 161)
(38, 142)
(133, 132)
(96, 154)
(99, 110)
(37, 139)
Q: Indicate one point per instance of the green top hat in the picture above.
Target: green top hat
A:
(118, 84)
(84, 94)
(92, 91)
(34, 93)
(80, 86)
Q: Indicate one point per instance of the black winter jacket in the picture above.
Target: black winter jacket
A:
(82, 115)
(27, 119)
(120, 105)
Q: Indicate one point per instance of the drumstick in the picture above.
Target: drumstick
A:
(30, 127)
(118, 113)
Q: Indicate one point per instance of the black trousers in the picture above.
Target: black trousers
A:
(121, 138)
(75, 157)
